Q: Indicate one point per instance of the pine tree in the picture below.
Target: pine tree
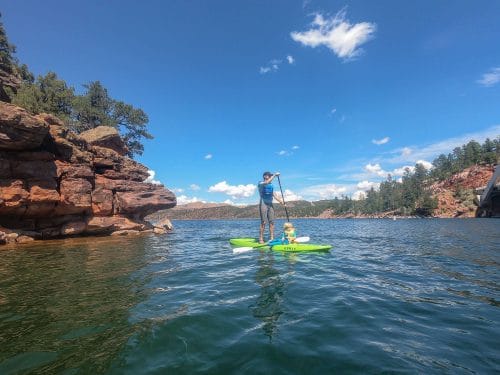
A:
(97, 108)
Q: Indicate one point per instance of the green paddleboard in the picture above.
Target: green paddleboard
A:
(252, 242)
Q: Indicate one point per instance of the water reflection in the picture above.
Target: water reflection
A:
(65, 304)
(269, 304)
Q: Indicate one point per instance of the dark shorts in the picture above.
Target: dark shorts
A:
(266, 211)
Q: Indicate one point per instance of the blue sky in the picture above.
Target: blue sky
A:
(333, 94)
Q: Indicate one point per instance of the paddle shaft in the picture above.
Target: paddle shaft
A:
(283, 197)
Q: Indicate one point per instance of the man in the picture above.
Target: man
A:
(266, 209)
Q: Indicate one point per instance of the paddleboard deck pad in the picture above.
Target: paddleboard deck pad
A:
(252, 242)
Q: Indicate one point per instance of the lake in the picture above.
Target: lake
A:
(403, 296)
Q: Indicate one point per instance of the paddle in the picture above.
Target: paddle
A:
(238, 250)
(283, 197)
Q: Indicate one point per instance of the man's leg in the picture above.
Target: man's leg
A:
(262, 222)
(270, 218)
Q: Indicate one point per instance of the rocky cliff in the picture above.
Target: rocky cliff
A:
(456, 194)
(55, 183)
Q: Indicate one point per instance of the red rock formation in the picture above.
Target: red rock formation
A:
(449, 205)
(55, 183)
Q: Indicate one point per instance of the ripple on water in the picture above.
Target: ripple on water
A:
(415, 296)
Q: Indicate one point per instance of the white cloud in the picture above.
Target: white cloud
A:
(491, 78)
(275, 64)
(402, 170)
(332, 112)
(427, 165)
(288, 152)
(382, 141)
(235, 192)
(325, 191)
(291, 196)
(272, 66)
(367, 185)
(405, 151)
(336, 33)
(358, 195)
(194, 187)
(151, 178)
(208, 156)
(183, 199)
(375, 169)
(177, 190)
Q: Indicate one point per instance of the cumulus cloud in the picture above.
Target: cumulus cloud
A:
(295, 147)
(291, 196)
(337, 34)
(427, 165)
(183, 199)
(290, 59)
(375, 169)
(382, 141)
(358, 195)
(208, 156)
(402, 170)
(151, 178)
(234, 191)
(194, 187)
(325, 191)
(491, 78)
(367, 185)
(177, 190)
(282, 153)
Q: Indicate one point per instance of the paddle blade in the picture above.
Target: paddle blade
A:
(302, 239)
(239, 250)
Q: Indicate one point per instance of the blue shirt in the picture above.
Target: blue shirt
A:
(266, 192)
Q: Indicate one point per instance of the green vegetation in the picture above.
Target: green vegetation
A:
(50, 94)
(463, 157)
(411, 196)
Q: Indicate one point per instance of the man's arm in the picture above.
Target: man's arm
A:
(278, 198)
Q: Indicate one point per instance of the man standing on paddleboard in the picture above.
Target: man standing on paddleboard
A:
(266, 209)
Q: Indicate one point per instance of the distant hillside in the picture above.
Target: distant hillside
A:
(225, 211)
(453, 197)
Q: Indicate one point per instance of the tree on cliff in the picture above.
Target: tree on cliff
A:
(95, 108)
(7, 51)
(47, 94)
(52, 95)
(11, 72)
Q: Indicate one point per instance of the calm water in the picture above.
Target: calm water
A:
(405, 296)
